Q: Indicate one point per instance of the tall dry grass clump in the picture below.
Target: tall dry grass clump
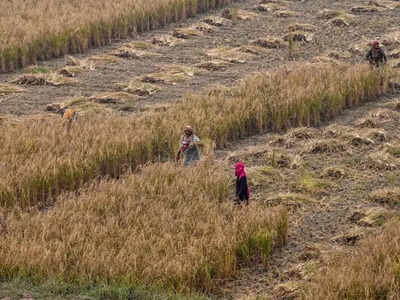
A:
(371, 272)
(167, 226)
(40, 159)
(44, 29)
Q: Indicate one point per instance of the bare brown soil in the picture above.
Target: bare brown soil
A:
(327, 189)
(104, 72)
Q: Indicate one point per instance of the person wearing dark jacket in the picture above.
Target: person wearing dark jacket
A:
(376, 56)
(242, 189)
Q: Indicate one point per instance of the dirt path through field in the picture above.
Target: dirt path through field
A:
(329, 179)
(161, 66)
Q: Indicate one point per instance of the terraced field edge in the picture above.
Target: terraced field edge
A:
(53, 39)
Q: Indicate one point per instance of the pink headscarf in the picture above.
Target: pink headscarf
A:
(239, 170)
(375, 44)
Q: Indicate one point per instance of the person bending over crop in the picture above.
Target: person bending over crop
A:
(242, 189)
(68, 115)
(188, 146)
(376, 56)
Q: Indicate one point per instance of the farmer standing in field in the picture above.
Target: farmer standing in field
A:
(68, 115)
(188, 146)
(376, 56)
(242, 189)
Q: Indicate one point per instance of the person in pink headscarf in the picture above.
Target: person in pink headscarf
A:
(242, 189)
(376, 56)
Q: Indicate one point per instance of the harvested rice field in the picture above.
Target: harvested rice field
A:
(99, 208)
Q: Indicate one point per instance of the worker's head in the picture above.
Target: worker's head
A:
(239, 168)
(375, 44)
(188, 130)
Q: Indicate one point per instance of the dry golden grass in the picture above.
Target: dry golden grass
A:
(171, 74)
(270, 42)
(6, 89)
(330, 14)
(302, 27)
(114, 98)
(167, 226)
(53, 79)
(131, 52)
(237, 54)
(389, 196)
(138, 87)
(101, 103)
(370, 272)
(44, 29)
(40, 159)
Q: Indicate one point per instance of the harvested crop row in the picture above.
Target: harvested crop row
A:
(40, 159)
(370, 272)
(167, 226)
(28, 35)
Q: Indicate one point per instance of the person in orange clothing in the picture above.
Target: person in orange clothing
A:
(68, 115)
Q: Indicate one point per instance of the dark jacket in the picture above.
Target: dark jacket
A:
(376, 57)
(242, 190)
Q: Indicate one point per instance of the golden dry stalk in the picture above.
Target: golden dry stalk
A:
(367, 272)
(28, 35)
(6, 89)
(174, 227)
(45, 161)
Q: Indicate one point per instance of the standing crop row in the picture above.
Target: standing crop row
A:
(31, 31)
(40, 159)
